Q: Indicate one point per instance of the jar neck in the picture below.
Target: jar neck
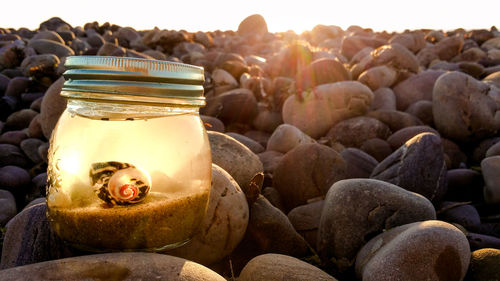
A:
(122, 111)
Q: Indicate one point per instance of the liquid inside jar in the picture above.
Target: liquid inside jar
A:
(91, 160)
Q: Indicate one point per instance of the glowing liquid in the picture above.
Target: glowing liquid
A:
(173, 151)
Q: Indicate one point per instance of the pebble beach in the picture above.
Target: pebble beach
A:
(337, 154)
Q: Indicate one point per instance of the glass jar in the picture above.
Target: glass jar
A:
(129, 160)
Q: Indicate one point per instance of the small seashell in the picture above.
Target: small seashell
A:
(119, 183)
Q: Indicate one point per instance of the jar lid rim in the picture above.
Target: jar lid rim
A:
(100, 73)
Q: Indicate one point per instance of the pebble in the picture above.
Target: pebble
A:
(40, 65)
(359, 163)
(19, 120)
(281, 267)
(30, 148)
(484, 265)
(356, 210)
(383, 99)
(235, 158)
(307, 172)
(12, 155)
(52, 107)
(8, 207)
(35, 128)
(494, 150)
(29, 239)
(490, 168)
(17, 86)
(44, 46)
(305, 219)
(416, 166)
(286, 137)
(377, 148)
(381, 76)
(267, 120)
(351, 45)
(406, 253)
(253, 25)
(459, 213)
(13, 137)
(396, 120)
(238, 105)
(331, 103)
(224, 224)
(321, 71)
(353, 132)
(273, 196)
(122, 266)
(470, 114)
(416, 88)
(254, 146)
(212, 123)
(49, 35)
(272, 232)
(399, 137)
(423, 111)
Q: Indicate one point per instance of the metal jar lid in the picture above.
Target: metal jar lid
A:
(133, 80)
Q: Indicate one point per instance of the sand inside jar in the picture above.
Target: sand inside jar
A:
(153, 224)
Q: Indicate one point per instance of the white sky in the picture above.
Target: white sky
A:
(209, 15)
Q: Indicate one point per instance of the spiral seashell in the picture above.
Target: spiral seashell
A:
(119, 183)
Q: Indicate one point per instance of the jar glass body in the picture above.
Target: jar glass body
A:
(102, 154)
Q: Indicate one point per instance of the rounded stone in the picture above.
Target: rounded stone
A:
(19, 120)
(224, 224)
(40, 65)
(351, 45)
(305, 219)
(8, 207)
(417, 166)
(449, 47)
(399, 137)
(235, 158)
(286, 137)
(281, 267)
(270, 160)
(221, 77)
(121, 266)
(396, 120)
(35, 128)
(267, 120)
(52, 107)
(378, 77)
(490, 168)
(464, 108)
(355, 131)
(14, 179)
(30, 148)
(356, 210)
(423, 111)
(383, 99)
(484, 265)
(44, 46)
(238, 105)
(13, 137)
(494, 150)
(396, 56)
(212, 123)
(359, 163)
(416, 88)
(12, 155)
(458, 213)
(417, 251)
(253, 25)
(315, 112)
(378, 148)
(321, 71)
(270, 231)
(49, 35)
(413, 41)
(307, 172)
(254, 146)
(17, 86)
